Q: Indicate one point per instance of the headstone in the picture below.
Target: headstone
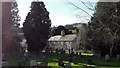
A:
(44, 61)
(99, 56)
(64, 51)
(51, 51)
(60, 62)
(68, 65)
(89, 60)
(21, 63)
(69, 51)
(26, 55)
(71, 59)
(5, 63)
(47, 52)
(76, 53)
(72, 53)
(75, 60)
(118, 57)
(80, 53)
(61, 51)
(56, 50)
(72, 50)
(107, 57)
(33, 63)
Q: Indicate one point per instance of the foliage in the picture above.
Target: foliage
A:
(104, 29)
(57, 31)
(15, 16)
(10, 25)
(36, 27)
(83, 36)
(15, 27)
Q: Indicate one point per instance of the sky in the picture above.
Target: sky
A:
(61, 12)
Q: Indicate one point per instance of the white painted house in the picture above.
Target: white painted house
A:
(65, 41)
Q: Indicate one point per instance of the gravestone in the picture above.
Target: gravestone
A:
(61, 51)
(118, 56)
(75, 60)
(47, 52)
(89, 60)
(5, 63)
(77, 53)
(72, 53)
(26, 56)
(69, 51)
(33, 63)
(64, 51)
(68, 65)
(21, 63)
(72, 50)
(51, 51)
(44, 61)
(56, 50)
(60, 62)
(107, 57)
(99, 56)
(70, 58)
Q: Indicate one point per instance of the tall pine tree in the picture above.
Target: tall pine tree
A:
(36, 27)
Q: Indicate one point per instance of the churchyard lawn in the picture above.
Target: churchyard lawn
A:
(52, 59)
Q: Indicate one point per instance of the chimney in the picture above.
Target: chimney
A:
(77, 32)
(63, 32)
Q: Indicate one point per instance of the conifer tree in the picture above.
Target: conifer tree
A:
(37, 26)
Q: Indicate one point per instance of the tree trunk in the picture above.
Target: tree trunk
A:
(111, 50)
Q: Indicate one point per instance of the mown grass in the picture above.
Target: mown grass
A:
(82, 60)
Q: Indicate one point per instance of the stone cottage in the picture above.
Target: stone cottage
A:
(65, 41)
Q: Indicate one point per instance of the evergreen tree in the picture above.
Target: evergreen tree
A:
(15, 16)
(58, 30)
(82, 33)
(15, 27)
(104, 28)
(37, 26)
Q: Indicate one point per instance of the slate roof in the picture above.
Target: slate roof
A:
(55, 38)
(61, 38)
(70, 37)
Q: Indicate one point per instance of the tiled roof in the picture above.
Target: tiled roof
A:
(70, 37)
(55, 38)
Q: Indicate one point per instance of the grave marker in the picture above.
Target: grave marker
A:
(44, 61)
(68, 65)
(107, 57)
(118, 57)
(33, 63)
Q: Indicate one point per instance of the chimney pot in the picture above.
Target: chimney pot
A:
(63, 33)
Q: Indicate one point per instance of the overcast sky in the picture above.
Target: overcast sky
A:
(61, 12)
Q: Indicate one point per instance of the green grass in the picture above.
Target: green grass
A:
(87, 54)
(53, 61)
